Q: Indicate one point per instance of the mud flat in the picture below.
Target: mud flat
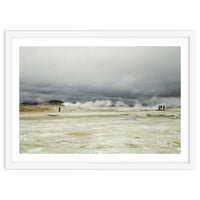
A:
(100, 130)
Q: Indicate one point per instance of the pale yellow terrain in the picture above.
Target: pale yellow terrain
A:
(99, 130)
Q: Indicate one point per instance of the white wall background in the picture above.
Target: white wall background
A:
(84, 15)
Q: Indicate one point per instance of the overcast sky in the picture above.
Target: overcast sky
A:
(90, 73)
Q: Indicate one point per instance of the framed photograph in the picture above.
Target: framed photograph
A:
(99, 99)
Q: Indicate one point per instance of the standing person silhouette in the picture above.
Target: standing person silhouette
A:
(59, 109)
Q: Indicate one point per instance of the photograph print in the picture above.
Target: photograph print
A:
(100, 100)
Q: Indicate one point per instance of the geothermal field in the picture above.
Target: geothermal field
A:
(92, 129)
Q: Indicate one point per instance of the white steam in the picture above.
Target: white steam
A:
(172, 102)
(121, 104)
(97, 103)
(145, 104)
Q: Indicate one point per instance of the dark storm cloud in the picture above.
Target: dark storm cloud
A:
(84, 73)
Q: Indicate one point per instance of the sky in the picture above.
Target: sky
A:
(90, 73)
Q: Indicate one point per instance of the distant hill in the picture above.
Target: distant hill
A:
(54, 102)
(51, 102)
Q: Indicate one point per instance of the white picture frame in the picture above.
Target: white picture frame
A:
(14, 39)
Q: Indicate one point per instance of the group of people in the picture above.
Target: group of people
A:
(161, 107)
